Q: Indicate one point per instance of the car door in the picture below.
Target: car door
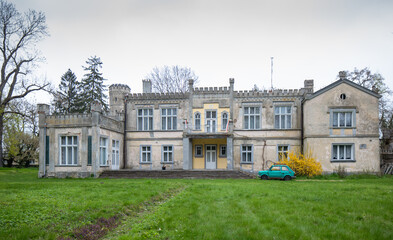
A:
(275, 172)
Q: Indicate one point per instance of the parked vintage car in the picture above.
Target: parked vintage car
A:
(277, 172)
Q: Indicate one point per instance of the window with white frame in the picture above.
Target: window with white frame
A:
(211, 121)
(224, 120)
(282, 117)
(167, 154)
(342, 152)
(282, 152)
(223, 151)
(145, 154)
(342, 118)
(68, 150)
(247, 153)
(103, 151)
(168, 118)
(252, 118)
(145, 119)
(115, 152)
(197, 121)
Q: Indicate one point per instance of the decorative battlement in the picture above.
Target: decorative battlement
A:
(211, 90)
(276, 92)
(69, 116)
(153, 96)
(119, 86)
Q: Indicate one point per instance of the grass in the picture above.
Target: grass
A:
(350, 208)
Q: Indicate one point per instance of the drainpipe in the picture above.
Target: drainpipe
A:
(302, 127)
(125, 133)
(45, 150)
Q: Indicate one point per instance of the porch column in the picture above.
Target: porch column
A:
(187, 153)
(230, 153)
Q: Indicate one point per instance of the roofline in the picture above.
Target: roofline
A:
(338, 82)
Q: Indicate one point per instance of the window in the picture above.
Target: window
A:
(246, 151)
(282, 117)
(68, 150)
(211, 121)
(252, 118)
(284, 168)
(197, 118)
(342, 118)
(103, 151)
(145, 119)
(198, 151)
(115, 153)
(282, 151)
(145, 154)
(223, 150)
(224, 120)
(342, 152)
(169, 118)
(167, 154)
(275, 168)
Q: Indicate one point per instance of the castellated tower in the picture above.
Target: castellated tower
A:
(117, 93)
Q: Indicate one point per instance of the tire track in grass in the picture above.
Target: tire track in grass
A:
(103, 226)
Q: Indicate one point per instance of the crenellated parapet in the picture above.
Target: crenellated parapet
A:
(212, 90)
(157, 96)
(119, 86)
(273, 93)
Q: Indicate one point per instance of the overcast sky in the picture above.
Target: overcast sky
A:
(218, 39)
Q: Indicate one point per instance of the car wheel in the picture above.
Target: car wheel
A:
(264, 177)
(287, 178)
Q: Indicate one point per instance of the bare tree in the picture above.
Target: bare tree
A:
(19, 32)
(171, 79)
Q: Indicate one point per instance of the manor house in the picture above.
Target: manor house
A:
(214, 128)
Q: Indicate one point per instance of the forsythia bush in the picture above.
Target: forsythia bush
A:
(302, 164)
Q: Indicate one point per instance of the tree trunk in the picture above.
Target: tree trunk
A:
(1, 139)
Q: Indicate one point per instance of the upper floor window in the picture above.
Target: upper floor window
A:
(197, 119)
(252, 118)
(103, 151)
(68, 150)
(342, 119)
(342, 152)
(247, 153)
(145, 119)
(282, 117)
(211, 121)
(169, 119)
(224, 120)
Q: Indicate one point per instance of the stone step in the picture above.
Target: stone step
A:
(210, 174)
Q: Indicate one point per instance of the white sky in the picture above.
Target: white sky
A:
(218, 39)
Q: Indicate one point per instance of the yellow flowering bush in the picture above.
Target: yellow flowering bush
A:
(303, 164)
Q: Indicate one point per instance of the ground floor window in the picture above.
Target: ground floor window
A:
(223, 150)
(145, 154)
(103, 151)
(246, 153)
(282, 152)
(167, 154)
(198, 151)
(68, 150)
(115, 152)
(342, 152)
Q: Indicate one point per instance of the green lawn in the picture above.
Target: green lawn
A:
(196, 209)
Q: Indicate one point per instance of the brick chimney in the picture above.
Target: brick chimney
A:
(309, 84)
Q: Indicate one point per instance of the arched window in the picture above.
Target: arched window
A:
(197, 121)
(224, 120)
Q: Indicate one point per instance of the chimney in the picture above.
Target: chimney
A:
(147, 86)
(231, 84)
(309, 84)
(342, 75)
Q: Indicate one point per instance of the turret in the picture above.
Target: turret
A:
(117, 93)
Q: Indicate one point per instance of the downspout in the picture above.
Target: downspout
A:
(125, 133)
(302, 127)
(45, 149)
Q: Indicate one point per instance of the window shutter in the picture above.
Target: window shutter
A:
(47, 150)
(89, 146)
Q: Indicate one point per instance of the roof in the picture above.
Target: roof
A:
(340, 81)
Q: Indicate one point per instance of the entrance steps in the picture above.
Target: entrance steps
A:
(191, 174)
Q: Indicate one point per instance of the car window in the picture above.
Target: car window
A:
(275, 169)
(285, 169)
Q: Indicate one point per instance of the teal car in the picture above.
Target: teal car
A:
(277, 172)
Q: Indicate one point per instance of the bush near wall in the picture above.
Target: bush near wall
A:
(303, 164)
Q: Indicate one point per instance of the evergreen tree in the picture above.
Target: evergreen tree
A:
(92, 85)
(67, 97)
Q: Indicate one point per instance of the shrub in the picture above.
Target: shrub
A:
(302, 164)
